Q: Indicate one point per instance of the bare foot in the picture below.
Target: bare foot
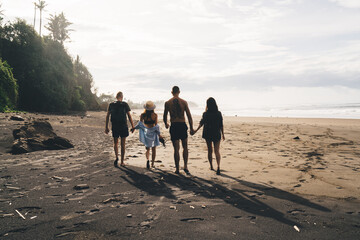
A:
(122, 164)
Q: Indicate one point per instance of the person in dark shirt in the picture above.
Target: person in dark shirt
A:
(213, 131)
(118, 111)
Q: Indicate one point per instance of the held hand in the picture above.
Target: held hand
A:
(192, 132)
(166, 125)
(132, 130)
(107, 130)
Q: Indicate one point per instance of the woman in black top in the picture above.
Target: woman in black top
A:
(213, 131)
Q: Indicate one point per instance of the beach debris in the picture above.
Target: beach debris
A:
(37, 135)
(113, 199)
(7, 215)
(22, 216)
(17, 118)
(296, 228)
(203, 206)
(296, 138)
(33, 217)
(192, 207)
(81, 186)
(233, 233)
(195, 219)
(172, 207)
(296, 211)
(145, 224)
(57, 178)
(13, 188)
(129, 215)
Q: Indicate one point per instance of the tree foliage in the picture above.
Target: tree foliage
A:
(59, 27)
(8, 87)
(85, 83)
(48, 79)
(104, 100)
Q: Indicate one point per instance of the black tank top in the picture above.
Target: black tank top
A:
(148, 121)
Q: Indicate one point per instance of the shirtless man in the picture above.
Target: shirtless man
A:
(178, 130)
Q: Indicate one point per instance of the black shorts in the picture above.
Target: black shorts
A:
(120, 132)
(178, 130)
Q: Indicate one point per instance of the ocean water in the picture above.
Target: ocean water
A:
(348, 111)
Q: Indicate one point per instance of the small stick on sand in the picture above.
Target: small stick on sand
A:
(22, 216)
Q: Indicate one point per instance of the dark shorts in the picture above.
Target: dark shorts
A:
(178, 130)
(120, 132)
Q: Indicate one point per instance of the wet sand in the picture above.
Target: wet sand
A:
(270, 183)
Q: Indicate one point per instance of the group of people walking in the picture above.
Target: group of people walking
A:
(149, 130)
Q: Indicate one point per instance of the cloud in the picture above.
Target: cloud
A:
(212, 46)
(348, 3)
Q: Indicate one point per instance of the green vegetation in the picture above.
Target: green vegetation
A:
(8, 88)
(47, 78)
(58, 27)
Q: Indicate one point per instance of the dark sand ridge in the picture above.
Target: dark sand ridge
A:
(239, 204)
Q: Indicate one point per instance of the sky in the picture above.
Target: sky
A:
(255, 53)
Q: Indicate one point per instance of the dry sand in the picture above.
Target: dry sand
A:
(270, 183)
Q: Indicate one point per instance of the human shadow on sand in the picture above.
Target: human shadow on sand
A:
(244, 198)
(152, 185)
(269, 190)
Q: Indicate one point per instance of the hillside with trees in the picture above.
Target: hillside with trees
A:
(37, 73)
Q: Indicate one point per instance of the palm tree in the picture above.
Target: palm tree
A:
(34, 13)
(1, 13)
(59, 27)
(41, 5)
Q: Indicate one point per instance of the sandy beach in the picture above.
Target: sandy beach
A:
(282, 178)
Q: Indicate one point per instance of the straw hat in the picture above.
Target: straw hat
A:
(149, 105)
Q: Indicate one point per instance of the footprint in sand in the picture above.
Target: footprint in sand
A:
(251, 217)
(295, 211)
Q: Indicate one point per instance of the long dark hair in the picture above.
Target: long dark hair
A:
(147, 114)
(211, 105)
